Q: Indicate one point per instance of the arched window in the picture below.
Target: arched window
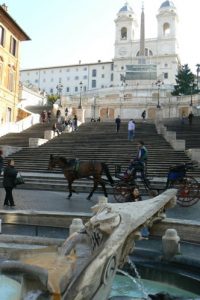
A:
(148, 52)
(124, 33)
(166, 29)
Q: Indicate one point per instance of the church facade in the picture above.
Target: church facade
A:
(141, 74)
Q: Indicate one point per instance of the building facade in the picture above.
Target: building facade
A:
(10, 37)
(160, 52)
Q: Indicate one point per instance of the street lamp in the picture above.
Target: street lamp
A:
(158, 84)
(191, 90)
(59, 88)
(80, 100)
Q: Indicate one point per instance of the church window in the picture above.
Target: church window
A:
(165, 75)
(166, 29)
(94, 73)
(2, 36)
(111, 77)
(124, 33)
(94, 83)
(11, 79)
(13, 46)
(1, 72)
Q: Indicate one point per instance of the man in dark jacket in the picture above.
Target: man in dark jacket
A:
(10, 174)
(117, 122)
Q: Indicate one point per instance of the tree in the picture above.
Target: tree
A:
(184, 82)
(52, 98)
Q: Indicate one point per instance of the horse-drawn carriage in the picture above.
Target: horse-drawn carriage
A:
(188, 187)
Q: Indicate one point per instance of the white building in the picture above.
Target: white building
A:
(160, 52)
(140, 76)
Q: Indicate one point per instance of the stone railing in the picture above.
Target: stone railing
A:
(20, 125)
(85, 265)
(170, 136)
(177, 144)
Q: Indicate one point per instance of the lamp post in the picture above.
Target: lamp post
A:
(198, 70)
(158, 84)
(59, 88)
(123, 85)
(80, 100)
(95, 98)
(191, 90)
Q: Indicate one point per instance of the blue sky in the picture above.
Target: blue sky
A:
(65, 31)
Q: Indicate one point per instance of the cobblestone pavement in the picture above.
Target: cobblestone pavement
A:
(57, 201)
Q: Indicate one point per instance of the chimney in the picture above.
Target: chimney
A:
(5, 7)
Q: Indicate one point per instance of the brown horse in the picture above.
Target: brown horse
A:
(74, 169)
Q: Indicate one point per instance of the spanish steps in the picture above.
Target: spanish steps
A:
(189, 133)
(92, 141)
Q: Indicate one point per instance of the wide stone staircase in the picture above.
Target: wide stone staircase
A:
(96, 141)
(189, 133)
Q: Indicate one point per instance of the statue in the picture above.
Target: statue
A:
(85, 265)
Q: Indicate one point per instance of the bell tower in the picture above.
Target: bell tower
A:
(125, 25)
(167, 20)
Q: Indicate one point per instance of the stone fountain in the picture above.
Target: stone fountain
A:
(85, 265)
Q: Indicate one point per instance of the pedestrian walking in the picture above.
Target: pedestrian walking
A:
(75, 123)
(190, 118)
(118, 123)
(49, 116)
(55, 129)
(183, 117)
(131, 130)
(42, 116)
(143, 115)
(9, 176)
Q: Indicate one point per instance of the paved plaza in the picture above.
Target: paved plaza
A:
(57, 201)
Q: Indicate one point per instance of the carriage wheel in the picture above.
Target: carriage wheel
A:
(188, 191)
(121, 192)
